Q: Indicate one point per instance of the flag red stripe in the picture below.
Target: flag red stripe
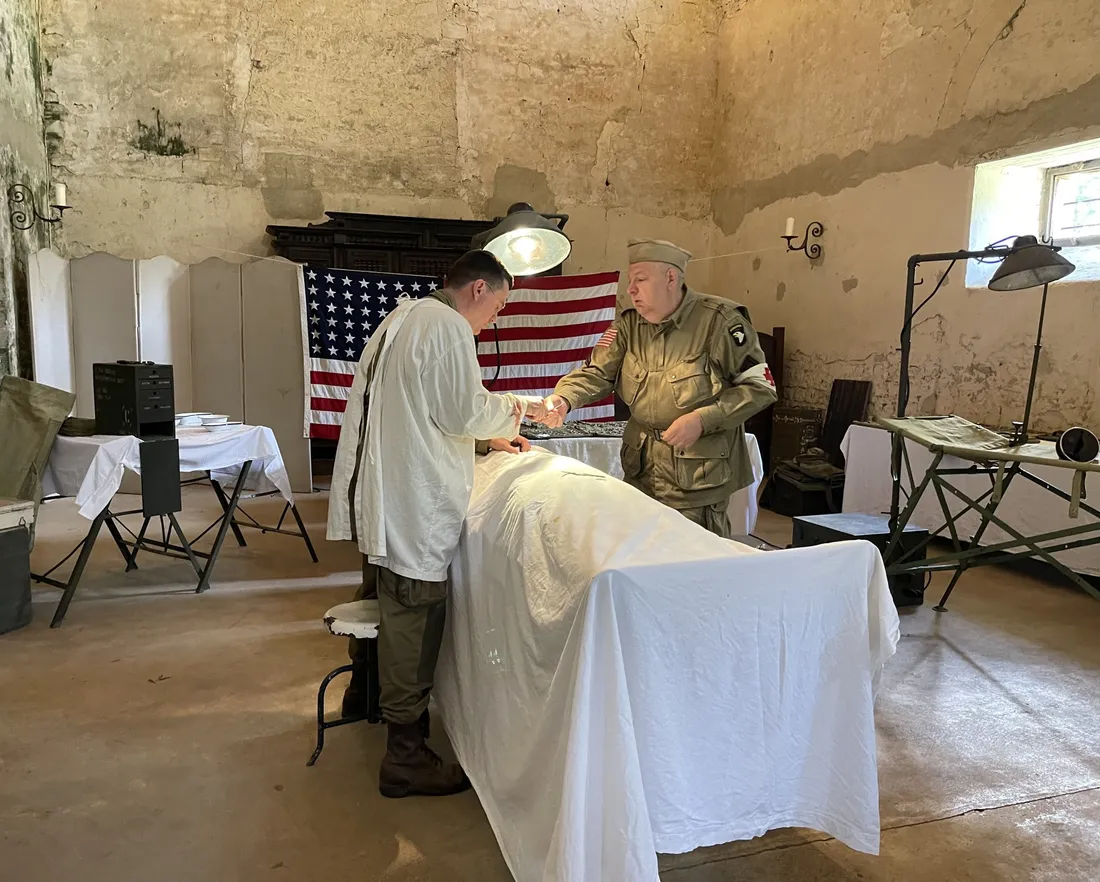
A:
(324, 432)
(557, 283)
(339, 405)
(547, 332)
(558, 307)
(326, 378)
(534, 356)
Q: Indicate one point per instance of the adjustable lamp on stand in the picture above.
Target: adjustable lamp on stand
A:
(1026, 263)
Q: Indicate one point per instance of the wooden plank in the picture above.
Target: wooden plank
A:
(104, 319)
(217, 359)
(164, 321)
(274, 372)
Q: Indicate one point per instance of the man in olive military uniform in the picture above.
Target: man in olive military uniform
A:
(691, 370)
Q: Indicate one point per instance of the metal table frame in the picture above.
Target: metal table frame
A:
(968, 554)
(185, 550)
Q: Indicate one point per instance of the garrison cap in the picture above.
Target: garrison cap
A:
(639, 250)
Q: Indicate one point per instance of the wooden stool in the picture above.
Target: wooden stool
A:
(358, 619)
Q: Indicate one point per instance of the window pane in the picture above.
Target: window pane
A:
(1075, 206)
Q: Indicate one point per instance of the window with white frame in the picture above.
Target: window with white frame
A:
(1071, 204)
(1054, 194)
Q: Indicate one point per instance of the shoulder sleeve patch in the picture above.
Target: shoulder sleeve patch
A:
(608, 337)
(737, 332)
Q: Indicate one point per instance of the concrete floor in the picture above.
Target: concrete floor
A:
(163, 735)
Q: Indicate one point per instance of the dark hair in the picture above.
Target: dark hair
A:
(474, 265)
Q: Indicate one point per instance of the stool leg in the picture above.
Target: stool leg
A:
(321, 726)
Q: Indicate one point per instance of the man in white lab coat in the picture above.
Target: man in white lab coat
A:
(401, 486)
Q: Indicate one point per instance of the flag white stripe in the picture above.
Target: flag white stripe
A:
(515, 371)
(317, 390)
(589, 413)
(549, 295)
(332, 365)
(586, 341)
(554, 321)
(326, 417)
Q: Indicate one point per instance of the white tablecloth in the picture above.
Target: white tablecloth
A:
(603, 454)
(91, 468)
(617, 681)
(1028, 508)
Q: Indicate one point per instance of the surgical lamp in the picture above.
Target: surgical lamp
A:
(526, 241)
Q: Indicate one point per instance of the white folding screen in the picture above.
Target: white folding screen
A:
(232, 334)
(164, 321)
(217, 354)
(51, 320)
(274, 378)
(103, 294)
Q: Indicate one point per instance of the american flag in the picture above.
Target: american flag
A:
(548, 328)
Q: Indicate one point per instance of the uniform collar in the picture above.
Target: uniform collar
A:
(680, 314)
(444, 296)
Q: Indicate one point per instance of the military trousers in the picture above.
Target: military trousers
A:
(715, 518)
(710, 517)
(412, 615)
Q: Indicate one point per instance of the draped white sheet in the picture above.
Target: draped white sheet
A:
(619, 682)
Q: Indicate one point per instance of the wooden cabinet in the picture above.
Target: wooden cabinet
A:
(381, 243)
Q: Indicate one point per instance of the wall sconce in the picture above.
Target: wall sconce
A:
(815, 229)
(24, 209)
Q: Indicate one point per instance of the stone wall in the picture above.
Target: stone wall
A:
(870, 117)
(22, 161)
(187, 127)
(190, 125)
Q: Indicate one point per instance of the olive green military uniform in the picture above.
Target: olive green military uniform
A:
(705, 358)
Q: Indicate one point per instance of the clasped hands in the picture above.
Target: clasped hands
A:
(684, 431)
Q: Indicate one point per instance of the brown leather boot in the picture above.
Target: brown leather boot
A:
(411, 768)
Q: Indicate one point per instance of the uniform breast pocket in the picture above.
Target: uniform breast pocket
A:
(631, 376)
(705, 465)
(692, 384)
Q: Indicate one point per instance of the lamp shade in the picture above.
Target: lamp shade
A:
(526, 242)
(1029, 265)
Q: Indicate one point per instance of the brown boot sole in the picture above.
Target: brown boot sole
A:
(400, 791)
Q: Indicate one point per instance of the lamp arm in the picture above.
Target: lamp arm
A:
(564, 218)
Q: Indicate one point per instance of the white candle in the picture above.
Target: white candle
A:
(790, 226)
(59, 195)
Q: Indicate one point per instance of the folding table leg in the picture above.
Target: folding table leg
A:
(140, 538)
(186, 545)
(305, 533)
(223, 528)
(1003, 480)
(220, 493)
(131, 563)
(78, 569)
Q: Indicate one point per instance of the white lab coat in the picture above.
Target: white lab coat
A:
(416, 466)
